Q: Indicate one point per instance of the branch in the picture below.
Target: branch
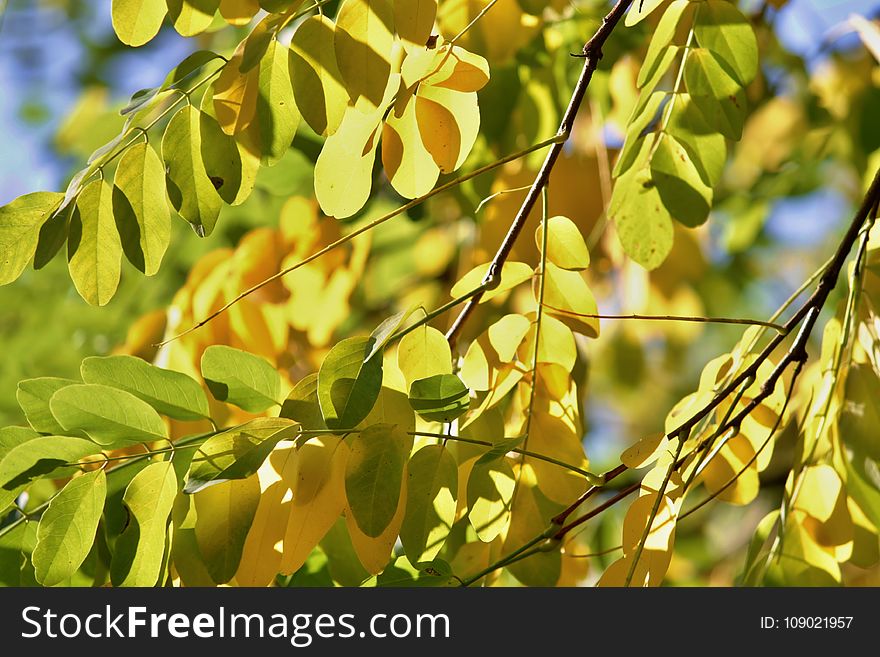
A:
(592, 53)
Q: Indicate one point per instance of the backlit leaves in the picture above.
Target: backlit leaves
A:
(20, 223)
(348, 386)
(238, 377)
(94, 250)
(137, 21)
(431, 502)
(439, 398)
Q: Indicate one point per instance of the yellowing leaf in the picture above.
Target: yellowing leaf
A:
(511, 275)
(317, 82)
(723, 30)
(20, 223)
(224, 516)
(639, 10)
(530, 515)
(414, 21)
(318, 486)
(137, 21)
(141, 208)
(408, 164)
(645, 452)
(239, 12)
(554, 437)
(375, 553)
(506, 334)
(363, 48)
(190, 189)
(94, 250)
(683, 192)
(190, 17)
(277, 115)
(567, 297)
(423, 352)
(374, 475)
(556, 344)
(460, 70)
(235, 95)
(431, 502)
(490, 489)
(449, 122)
(565, 244)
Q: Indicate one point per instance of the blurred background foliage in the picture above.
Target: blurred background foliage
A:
(788, 189)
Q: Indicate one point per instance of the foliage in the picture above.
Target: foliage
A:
(295, 413)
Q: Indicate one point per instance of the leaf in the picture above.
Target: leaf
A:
(723, 30)
(110, 417)
(645, 452)
(408, 164)
(643, 116)
(364, 42)
(374, 553)
(639, 10)
(422, 353)
(683, 192)
(33, 396)
(237, 453)
(170, 393)
(20, 227)
(556, 343)
(277, 116)
(238, 377)
(644, 226)
(568, 298)
(414, 21)
(860, 414)
(224, 514)
(137, 21)
(42, 456)
(512, 274)
(67, 528)
(507, 334)
(654, 61)
(318, 497)
(234, 97)
(140, 208)
(232, 169)
(439, 398)
(302, 404)
(489, 494)
(317, 82)
(190, 189)
(190, 17)
(238, 12)
(348, 386)
(705, 146)
(385, 331)
(565, 244)
(460, 71)
(432, 491)
(530, 515)
(94, 251)
(449, 122)
(149, 497)
(374, 476)
(718, 96)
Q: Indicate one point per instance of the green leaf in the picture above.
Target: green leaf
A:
(20, 224)
(860, 414)
(402, 573)
(422, 353)
(641, 119)
(33, 396)
(16, 544)
(231, 170)
(705, 76)
(190, 189)
(722, 29)
(94, 250)
(237, 453)
(374, 475)
(188, 68)
(11, 437)
(489, 494)
(644, 225)
(43, 456)
(348, 386)
(190, 17)
(660, 40)
(439, 398)
(705, 146)
(67, 528)
(140, 207)
(414, 21)
(302, 404)
(686, 197)
(382, 333)
(138, 555)
(363, 42)
(238, 377)
(137, 21)
(171, 393)
(566, 247)
(110, 417)
(277, 114)
(727, 115)
(431, 502)
(224, 515)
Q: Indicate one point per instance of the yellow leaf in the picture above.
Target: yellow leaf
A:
(449, 122)
(422, 353)
(530, 515)
(431, 502)
(407, 162)
(235, 95)
(645, 452)
(190, 17)
(363, 48)
(506, 334)
(565, 244)
(318, 498)
(137, 21)
(261, 557)
(512, 274)
(94, 250)
(569, 299)
(239, 12)
(726, 465)
(639, 10)
(414, 21)
(490, 489)
(460, 71)
(375, 553)
(556, 343)
(552, 436)
(317, 82)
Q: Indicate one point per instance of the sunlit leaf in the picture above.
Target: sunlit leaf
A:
(348, 386)
(137, 21)
(20, 224)
(422, 353)
(565, 244)
(363, 42)
(43, 456)
(490, 489)
(94, 250)
(33, 397)
(439, 398)
(511, 275)
(723, 30)
(431, 502)
(238, 377)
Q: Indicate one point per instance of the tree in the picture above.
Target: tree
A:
(296, 416)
